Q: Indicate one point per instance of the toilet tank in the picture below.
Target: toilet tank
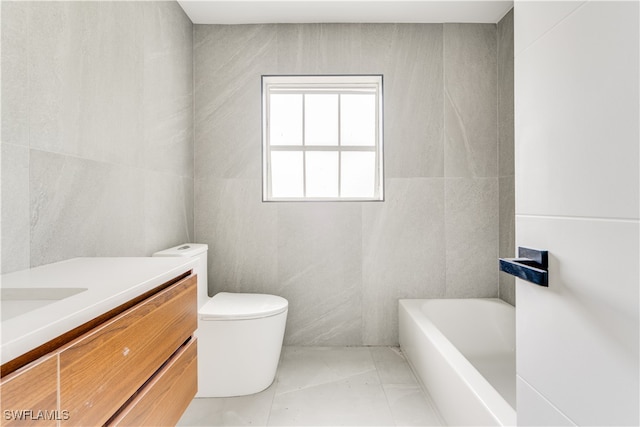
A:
(192, 250)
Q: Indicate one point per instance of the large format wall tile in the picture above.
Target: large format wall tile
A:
(168, 89)
(534, 19)
(470, 100)
(241, 233)
(228, 64)
(167, 214)
(15, 46)
(577, 177)
(109, 89)
(574, 126)
(403, 257)
(319, 49)
(534, 410)
(85, 80)
(471, 221)
(15, 207)
(343, 266)
(506, 126)
(507, 235)
(410, 57)
(84, 208)
(320, 272)
(189, 190)
(101, 92)
(578, 342)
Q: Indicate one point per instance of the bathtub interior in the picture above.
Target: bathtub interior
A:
(483, 330)
(475, 326)
(468, 367)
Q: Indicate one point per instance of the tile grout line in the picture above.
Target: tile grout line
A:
(384, 391)
(275, 385)
(544, 34)
(577, 218)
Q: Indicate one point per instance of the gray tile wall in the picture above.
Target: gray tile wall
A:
(97, 130)
(97, 157)
(506, 185)
(343, 266)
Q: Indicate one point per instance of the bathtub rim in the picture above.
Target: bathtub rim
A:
(485, 394)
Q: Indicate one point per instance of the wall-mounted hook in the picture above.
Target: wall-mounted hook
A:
(531, 265)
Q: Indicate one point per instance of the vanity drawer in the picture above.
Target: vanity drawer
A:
(101, 370)
(29, 395)
(174, 386)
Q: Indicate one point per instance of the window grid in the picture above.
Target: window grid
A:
(339, 148)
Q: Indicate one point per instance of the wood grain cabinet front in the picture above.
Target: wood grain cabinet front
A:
(135, 365)
(168, 394)
(30, 395)
(102, 370)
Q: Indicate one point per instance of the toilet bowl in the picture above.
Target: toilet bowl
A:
(242, 341)
(239, 334)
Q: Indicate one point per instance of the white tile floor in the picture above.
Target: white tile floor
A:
(327, 386)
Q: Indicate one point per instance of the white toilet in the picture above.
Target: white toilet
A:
(239, 335)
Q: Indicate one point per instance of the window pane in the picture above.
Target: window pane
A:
(321, 119)
(358, 174)
(286, 174)
(322, 174)
(285, 119)
(358, 119)
(322, 137)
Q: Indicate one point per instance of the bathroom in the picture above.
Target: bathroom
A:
(127, 129)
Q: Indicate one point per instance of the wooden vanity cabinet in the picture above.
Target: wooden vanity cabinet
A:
(30, 394)
(101, 370)
(122, 366)
(169, 393)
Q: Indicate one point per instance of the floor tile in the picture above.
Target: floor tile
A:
(302, 367)
(327, 386)
(410, 407)
(332, 405)
(252, 410)
(392, 366)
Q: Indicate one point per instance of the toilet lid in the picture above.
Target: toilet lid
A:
(241, 306)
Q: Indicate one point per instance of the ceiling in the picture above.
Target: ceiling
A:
(343, 11)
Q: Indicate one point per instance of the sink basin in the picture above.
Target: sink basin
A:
(17, 301)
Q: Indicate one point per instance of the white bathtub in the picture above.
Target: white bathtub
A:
(463, 351)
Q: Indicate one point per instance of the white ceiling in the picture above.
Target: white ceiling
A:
(343, 11)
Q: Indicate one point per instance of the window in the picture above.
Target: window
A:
(322, 138)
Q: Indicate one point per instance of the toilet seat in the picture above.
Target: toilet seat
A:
(242, 306)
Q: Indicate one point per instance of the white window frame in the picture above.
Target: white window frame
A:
(328, 84)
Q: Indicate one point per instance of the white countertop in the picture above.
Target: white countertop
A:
(110, 282)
